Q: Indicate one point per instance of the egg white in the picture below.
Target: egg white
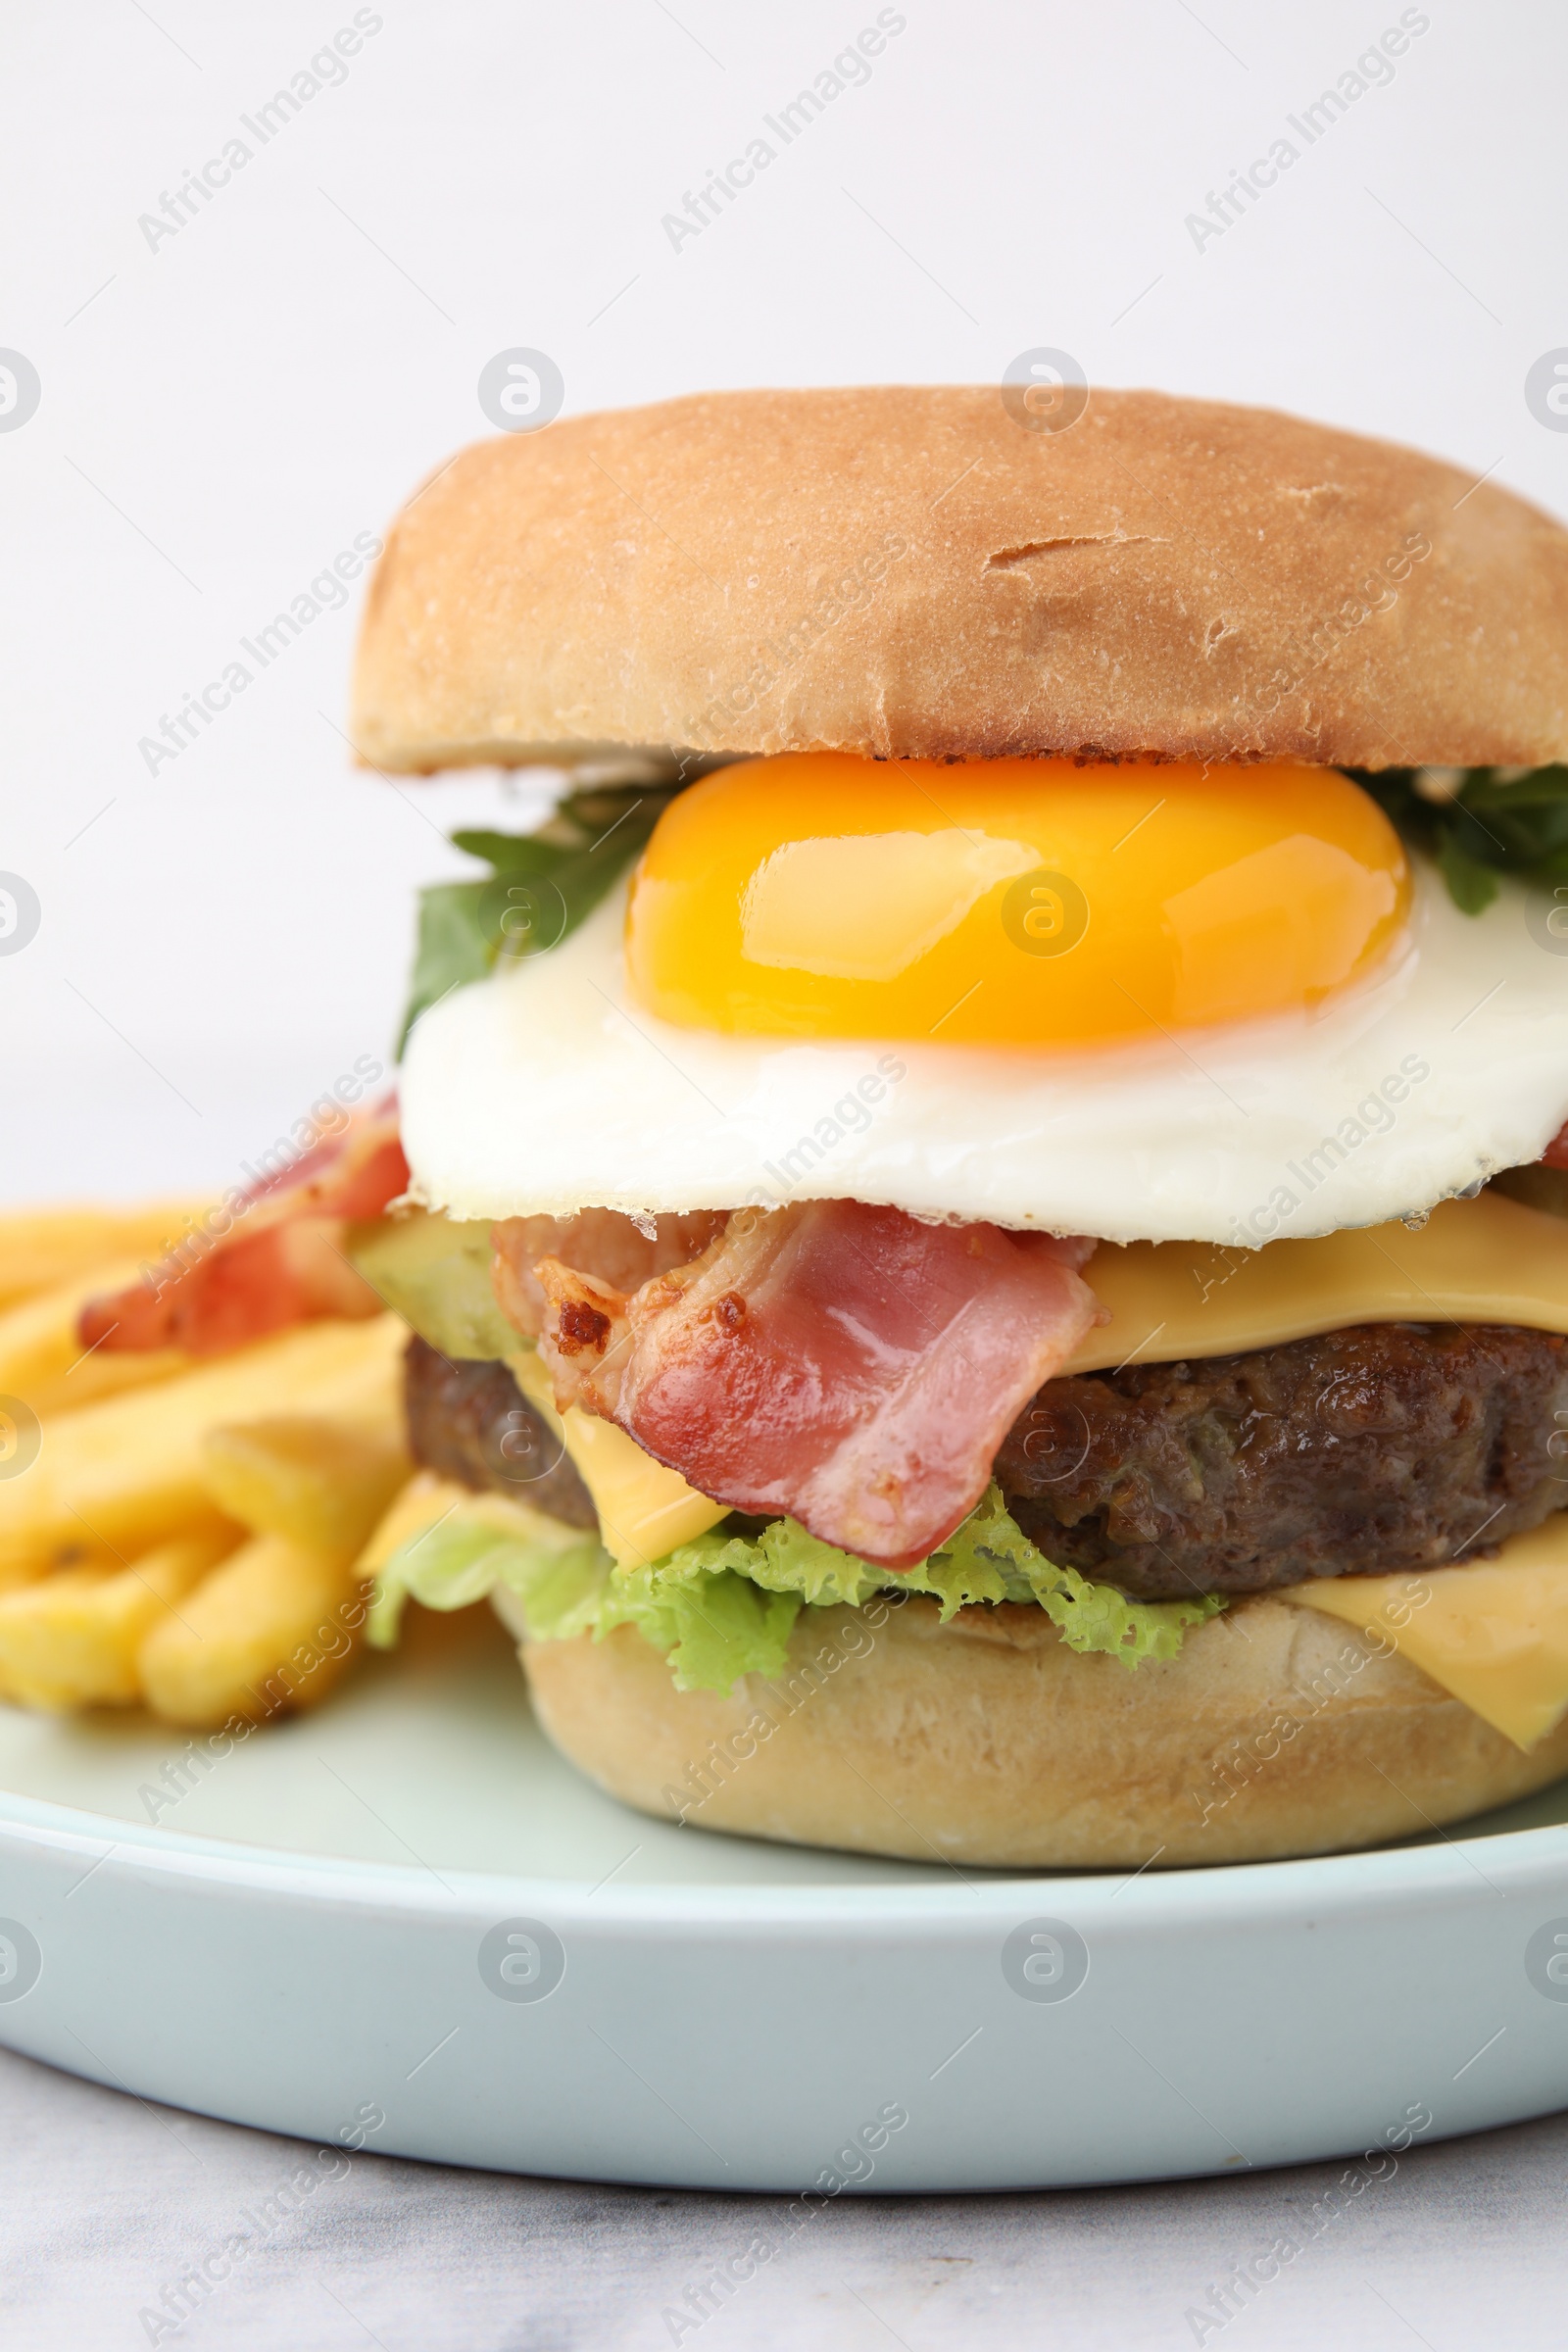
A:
(543, 1091)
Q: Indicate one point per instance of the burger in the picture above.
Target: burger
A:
(985, 1229)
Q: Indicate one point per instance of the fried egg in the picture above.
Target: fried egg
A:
(1140, 1002)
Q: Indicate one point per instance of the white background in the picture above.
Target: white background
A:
(222, 414)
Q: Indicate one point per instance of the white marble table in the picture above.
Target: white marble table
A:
(107, 2202)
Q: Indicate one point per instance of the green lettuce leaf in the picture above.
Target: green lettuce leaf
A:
(989, 1559)
(725, 1605)
(465, 1556)
(1087, 1615)
(712, 1627)
(541, 886)
(1499, 821)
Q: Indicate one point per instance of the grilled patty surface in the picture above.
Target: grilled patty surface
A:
(470, 1421)
(1364, 1451)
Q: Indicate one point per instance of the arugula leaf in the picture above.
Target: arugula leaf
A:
(1479, 822)
(541, 886)
(1472, 883)
(529, 852)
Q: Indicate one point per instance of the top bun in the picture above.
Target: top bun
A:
(917, 572)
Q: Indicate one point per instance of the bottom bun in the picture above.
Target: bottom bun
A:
(1276, 1730)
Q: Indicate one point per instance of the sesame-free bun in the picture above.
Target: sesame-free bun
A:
(989, 1741)
(909, 572)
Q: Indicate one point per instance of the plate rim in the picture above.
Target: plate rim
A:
(1376, 1880)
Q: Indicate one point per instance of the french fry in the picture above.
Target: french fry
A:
(42, 1248)
(73, 1640)
(271, 1630)
(323, 1484)
(42, 1361)
(126, 1473)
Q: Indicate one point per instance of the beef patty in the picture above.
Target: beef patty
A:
(1360, 1452)
(473, 1423)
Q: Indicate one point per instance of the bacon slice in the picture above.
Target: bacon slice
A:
(599, 1243)
(845, 1366)
(1555, 1156)
(265, 1259)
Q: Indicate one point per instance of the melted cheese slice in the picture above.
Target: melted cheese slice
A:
(644, 1509)
(430, 1501)
(1486, 1261)
(1495, 1634)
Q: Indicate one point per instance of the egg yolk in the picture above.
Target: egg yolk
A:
(1007, 901)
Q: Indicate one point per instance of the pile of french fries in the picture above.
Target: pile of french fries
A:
(190, 1534)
